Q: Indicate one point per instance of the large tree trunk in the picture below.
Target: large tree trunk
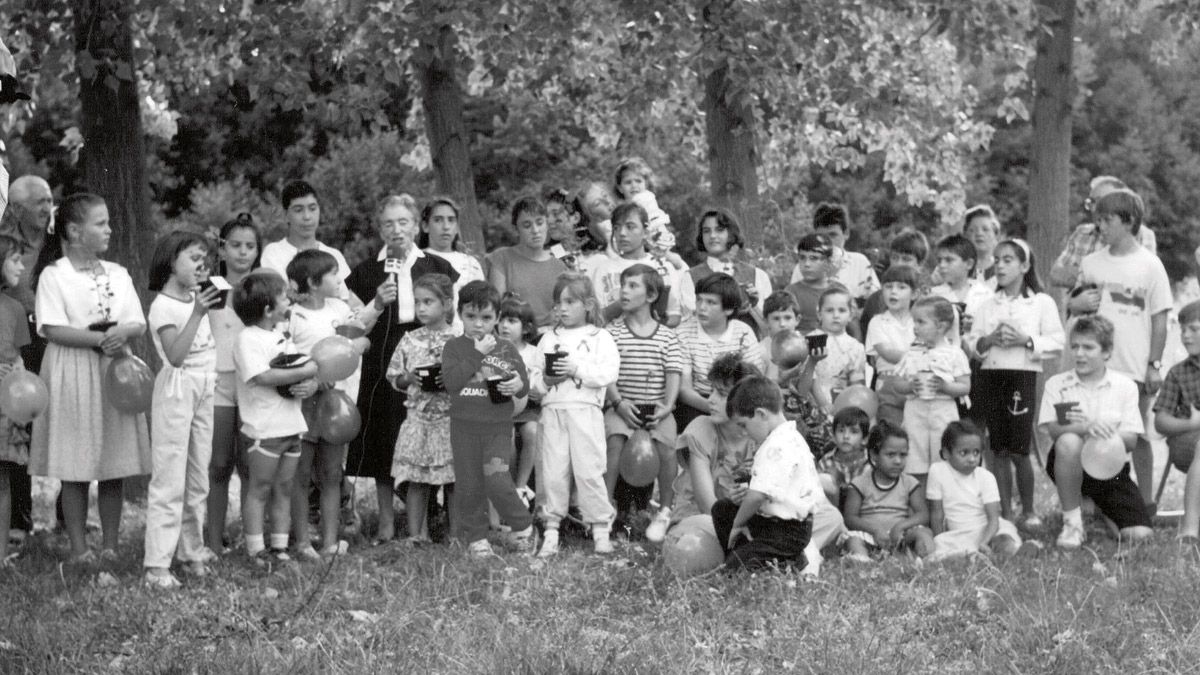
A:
(1050, 170)
(447, 133)
(732, 157)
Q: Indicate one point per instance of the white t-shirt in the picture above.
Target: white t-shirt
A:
(1133, 288)
(962, 497)
(167, 311)
(885, 328)
(277, 254)
(310, 326)
(844, 358)
(264, 413)
(1113, 399)
(606, 280)
(785, 472)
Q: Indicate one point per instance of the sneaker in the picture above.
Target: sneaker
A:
(600, 542)
(523, 542)
(1072, 536)
(340, 548)
(812, 568)
(549, 544)
(195, 568)
(657, 531)
(272, 557)
(307, 553)
(1032, 522)
(161, 579)
(480, 549)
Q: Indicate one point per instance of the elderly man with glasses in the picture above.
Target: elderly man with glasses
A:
(1085, 239)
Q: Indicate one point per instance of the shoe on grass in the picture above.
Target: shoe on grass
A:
(307, 553)
(549, 544)
(860, 558)
(1071, 537)
(524, 542)
(1032, 522)
(207, 555)
(161, 579)
(600, 542)
(338, 548)
(657, 531)
(480, 549)
(195, 568)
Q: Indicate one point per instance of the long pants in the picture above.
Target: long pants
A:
(772, 540)
(573, 446)
(481, 474)
(181, 424)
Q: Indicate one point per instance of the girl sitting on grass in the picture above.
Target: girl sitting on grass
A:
(886, 507)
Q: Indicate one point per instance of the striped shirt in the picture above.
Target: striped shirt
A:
(645, 361)
(701, 349)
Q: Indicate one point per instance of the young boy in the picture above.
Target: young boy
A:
(1177, 416)
(955, 257)
(890, 336)
(271, 422)
(813, 255)
(907, 248)
(774, 521)
(782, 313)
(1103, 404)
(481, 432)
(850, 269)
(849, 459)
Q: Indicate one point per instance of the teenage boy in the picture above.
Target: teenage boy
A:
(1086, 239)
(774, 521)
(1128, 285)
(814, 252)
(303, 214)
(1097, 403)
(1177, 416)
(850, 269)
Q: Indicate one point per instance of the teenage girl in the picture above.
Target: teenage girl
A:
(572, 421)
(87, 309)
(630, 230)
(14, 334)
(423, 457)
(1016, 329)
(239, 251)
(181, 420)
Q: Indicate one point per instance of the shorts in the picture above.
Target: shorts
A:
(1117, 498)
(925, 421)
(225, 392)
(1007, 401)
(280, 446)
(1182, 449)
(664, 432)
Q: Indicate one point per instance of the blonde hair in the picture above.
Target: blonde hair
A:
(581, 289)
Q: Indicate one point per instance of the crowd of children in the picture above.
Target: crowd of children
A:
(736, 395)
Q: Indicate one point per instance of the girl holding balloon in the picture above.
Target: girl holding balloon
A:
(181, 421)
(320, 314)
(14, 434)
(87, 309)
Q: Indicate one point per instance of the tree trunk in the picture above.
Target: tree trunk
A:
(447, 133)
(732, 157)
(1050, 169)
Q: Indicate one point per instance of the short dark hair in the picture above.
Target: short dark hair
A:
(903, 274)
(650, 277)
(882, 431)
(1096, 327)
(723, 286)
(527, 203)
(513, 307)
(169, 247)
(309, 266)
(295, 190)
(729, 369)
(961, 247)
(831, 215)
(479, 294)
(815, 243)
(829, 293)
(852, 416)
(621, 212)
(955, 430)
(912, 243)
(256, 294)
(780, 301)
(1189, 313)
(725, 221)
(753, 393)
(1124, 204)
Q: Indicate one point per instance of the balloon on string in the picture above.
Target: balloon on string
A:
(1103, 458)
(23, 396)
(639, 460)
(336, 358)
(129, 384)
(336, 418)
(691, 547)
(858, 396)
(788, 349)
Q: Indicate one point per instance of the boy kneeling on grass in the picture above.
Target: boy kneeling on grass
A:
(774, 521)
(1177, 416)
(1096, 404)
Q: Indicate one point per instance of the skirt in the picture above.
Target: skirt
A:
(81, 438)
(423, 452)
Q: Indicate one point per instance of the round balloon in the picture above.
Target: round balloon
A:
(129, 384)
(859, 396)
(1103, 458)
(691, 547)
(639, 461)
(23, 396)
(336, 418)
(788, 349)
(336, 358)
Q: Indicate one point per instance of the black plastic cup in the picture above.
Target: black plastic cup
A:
(222, 296)
(428, 375)
(645, 411)
(817, 341)
(288, 362)
(1061, 410)
(493, 387)
(551, 359)
(101, 327)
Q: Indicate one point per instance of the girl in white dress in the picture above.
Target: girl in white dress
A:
(87, 309)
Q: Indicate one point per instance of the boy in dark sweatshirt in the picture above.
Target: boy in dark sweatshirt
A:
(481, 428)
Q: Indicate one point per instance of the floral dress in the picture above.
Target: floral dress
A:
(423, 445)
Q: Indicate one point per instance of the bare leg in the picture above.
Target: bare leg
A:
(530, 445)
(75, 505)
(1190, 525)
(281, 493)
(332, 457)
(921, 539)
(1143, 466)
(5, 509)
(668, 468)
(612, 470)
(384, 495)
(417, 504)
(1024, 470)
(1068, 471)
(110, 503)
(299, 508)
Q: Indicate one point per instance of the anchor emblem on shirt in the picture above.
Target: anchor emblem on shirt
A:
(1016, 408)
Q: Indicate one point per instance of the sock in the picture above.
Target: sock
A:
(600, 532)
(1073, 517)
(279, 541)
(254, 543)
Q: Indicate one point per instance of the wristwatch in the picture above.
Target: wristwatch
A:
(1029, 344)
(1156, 364)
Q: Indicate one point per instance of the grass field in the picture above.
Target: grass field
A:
(397, 609)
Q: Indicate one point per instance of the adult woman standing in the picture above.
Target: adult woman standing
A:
(982, 227)
(527, 269)
(87, 309)
(390, 282)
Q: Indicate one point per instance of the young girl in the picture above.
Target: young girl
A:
(1015, 330)
(517, 326)
(239, 250)
(932, 374)
(629, 223)
(423, 457)
(964, 503)
(645, 391)
(585, 362)
(886, 507)
(844, 362)
(181, 419)
(317, 314)
(889, 336)
(14, 334)
(87, 309)
(635, 183)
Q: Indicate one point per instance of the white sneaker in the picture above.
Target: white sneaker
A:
(549, 544)
(480, 549)
(657, 530)
(812, 567)
(161, 579)
(1072, 536)
(600, 541)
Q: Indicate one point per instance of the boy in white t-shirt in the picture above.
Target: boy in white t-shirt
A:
(271, 422)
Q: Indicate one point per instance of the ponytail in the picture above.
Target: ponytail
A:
(74, 209)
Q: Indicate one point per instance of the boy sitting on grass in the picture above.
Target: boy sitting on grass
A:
(1177, 416)
(848, 460)
(774, 521)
